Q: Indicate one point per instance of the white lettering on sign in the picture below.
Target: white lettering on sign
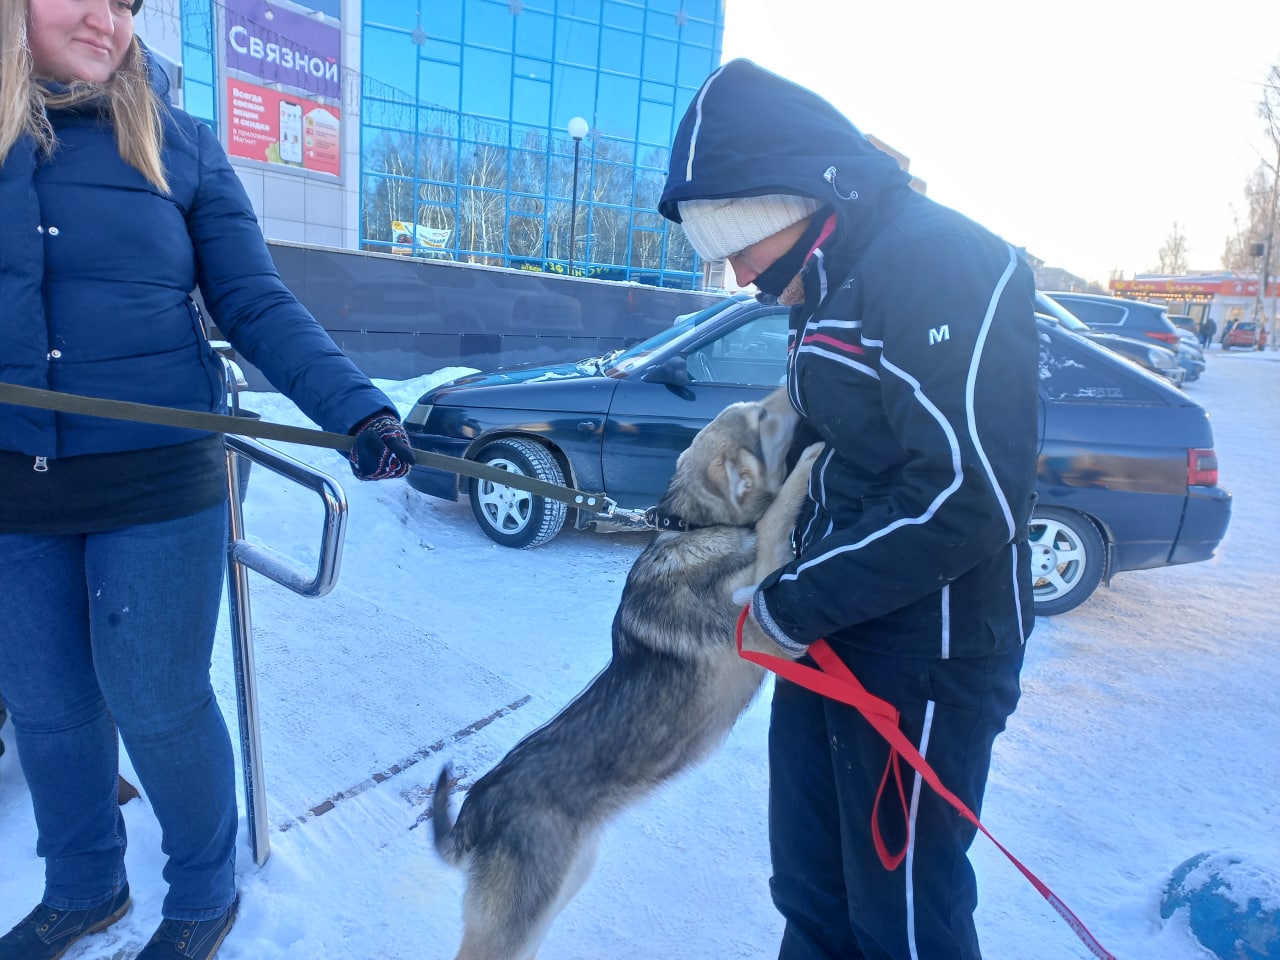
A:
(299, 61)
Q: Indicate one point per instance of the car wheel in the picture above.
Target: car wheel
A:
(1068, 559)
(511, 517)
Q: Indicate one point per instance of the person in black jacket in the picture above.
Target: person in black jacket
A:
(113, 534)
(1208, 327)
(913, 355)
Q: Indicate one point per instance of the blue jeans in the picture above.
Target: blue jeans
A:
(110, 631)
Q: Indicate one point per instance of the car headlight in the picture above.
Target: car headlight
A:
(1160, 359)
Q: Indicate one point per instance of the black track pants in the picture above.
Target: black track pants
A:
(825, 765)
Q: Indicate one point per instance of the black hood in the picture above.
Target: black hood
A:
(749, 132)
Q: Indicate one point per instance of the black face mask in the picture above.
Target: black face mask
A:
(773, 281)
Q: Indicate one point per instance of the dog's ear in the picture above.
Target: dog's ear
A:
(741, 474)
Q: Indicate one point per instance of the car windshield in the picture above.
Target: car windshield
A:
(681, 330)
(1068, 320)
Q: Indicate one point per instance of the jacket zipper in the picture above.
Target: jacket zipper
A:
(41, 465)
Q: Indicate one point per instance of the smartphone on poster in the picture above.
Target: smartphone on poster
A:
(290, 132)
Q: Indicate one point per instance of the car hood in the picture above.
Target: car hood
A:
(576, 386)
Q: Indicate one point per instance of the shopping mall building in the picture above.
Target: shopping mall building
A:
(442, 128)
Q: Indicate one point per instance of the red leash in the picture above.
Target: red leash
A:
(836, 681)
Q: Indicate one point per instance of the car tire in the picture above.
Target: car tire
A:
(1068, 559)
(511, 517)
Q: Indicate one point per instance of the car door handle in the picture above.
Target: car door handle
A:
(588, 426)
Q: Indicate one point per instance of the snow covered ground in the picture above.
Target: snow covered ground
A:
(1147, 733)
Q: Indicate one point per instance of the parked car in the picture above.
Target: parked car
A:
(1127, 474)
(1246, 333)
(1147, 354)
(1138, 319)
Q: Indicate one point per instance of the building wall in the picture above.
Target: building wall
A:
(452, 122)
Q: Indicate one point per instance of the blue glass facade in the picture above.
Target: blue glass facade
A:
(464, 147)
(464, 107)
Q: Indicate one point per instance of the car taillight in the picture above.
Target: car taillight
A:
(1202, 468)
(1170, 338)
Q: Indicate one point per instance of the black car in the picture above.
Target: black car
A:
(1137, 319)
(1128, 478)
(1145, 353)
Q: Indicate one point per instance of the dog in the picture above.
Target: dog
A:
(527, 832)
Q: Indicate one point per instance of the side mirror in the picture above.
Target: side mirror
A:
(673, 371)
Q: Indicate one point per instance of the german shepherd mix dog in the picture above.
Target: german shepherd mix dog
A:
(528, 830)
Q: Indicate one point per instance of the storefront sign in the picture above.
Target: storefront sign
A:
(276, 45)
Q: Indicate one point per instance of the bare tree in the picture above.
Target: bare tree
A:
(1250, 228)
(1258, 224)
(1173, 253)
(1269, 113)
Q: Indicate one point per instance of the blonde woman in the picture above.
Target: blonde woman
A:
(113, 533)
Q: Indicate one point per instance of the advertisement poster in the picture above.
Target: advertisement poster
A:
(278, 127)
(436, 238)
(284, 81)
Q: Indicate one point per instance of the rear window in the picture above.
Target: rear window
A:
(1095, 312)
(1073, 369)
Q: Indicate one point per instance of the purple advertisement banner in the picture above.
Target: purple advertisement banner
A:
(276, 45)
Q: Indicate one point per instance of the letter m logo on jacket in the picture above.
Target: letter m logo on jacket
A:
(938, 334)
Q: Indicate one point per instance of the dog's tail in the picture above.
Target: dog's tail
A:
(441, 821)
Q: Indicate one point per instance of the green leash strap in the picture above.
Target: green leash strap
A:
(265, 430)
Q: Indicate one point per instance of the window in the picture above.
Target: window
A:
(441, 19)
(525, 236)
(620, 51)
(660, 60)
(528, 173)
(391, 13)
(486, 83)
(617, 105)
(1093, 311)
(439, 83)
(531, 101)
(489, 25)
(612, 182)
(577, 43)
(389, 57)
(660, 22)
(754, 353)
(534, 34)
(573, 94)
(1074, 370)
(617, 13)
(695, 66)
(655, 123)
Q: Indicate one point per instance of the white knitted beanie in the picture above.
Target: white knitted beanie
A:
(717, 228)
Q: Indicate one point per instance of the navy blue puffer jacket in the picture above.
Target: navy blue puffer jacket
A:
(96, 272)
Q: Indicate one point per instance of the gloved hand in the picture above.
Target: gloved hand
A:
(756, 632)
(381, 450)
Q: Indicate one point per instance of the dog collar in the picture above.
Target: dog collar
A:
(668, 521)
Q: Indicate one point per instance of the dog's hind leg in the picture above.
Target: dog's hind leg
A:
(512, 901)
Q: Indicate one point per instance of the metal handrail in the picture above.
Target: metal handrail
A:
(243, 556)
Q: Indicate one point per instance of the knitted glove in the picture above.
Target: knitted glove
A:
(381, 450)
(761, 633)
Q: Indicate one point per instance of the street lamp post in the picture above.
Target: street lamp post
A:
(577, 130)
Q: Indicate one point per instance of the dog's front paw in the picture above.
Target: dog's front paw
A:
(810, 454)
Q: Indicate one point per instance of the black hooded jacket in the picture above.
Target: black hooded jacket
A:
(914, 356)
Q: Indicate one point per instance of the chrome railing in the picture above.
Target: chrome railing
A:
(242, 557)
